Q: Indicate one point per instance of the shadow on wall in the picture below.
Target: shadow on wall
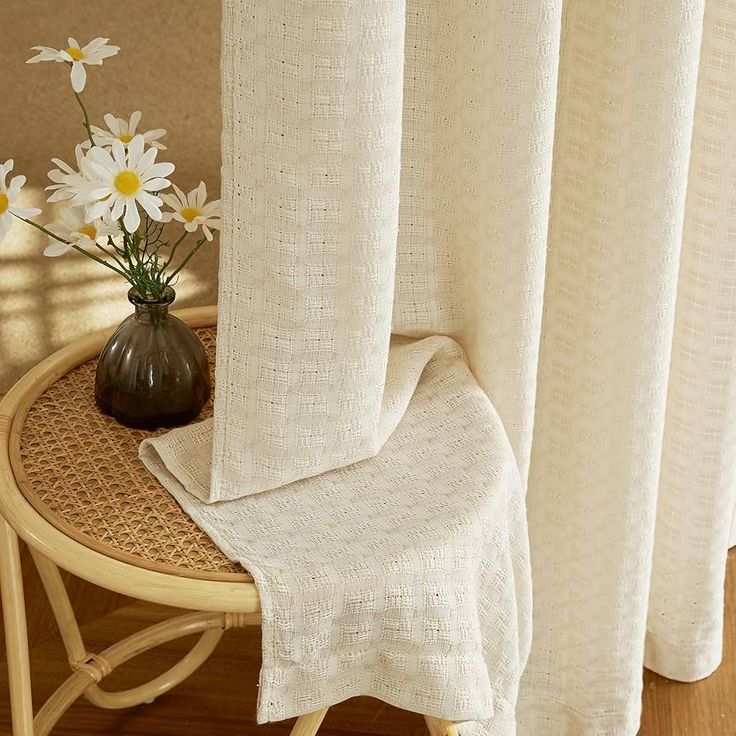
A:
(168, 68)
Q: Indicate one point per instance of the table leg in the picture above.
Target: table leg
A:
(308, 725)
(440, 727)
(16, 635)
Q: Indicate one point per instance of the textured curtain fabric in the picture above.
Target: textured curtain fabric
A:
(550, 184)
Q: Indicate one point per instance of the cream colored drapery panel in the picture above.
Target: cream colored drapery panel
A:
(551, 184)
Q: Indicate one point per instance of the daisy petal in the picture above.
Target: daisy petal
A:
(201, 194)
(117, 208)
(170, 200)
(63, 166)
(44, 54)
(182, 197)
(132, 218)
(94, 44)
(16, 184)
(97, 210)
(155, 185)
(79, 76)
(151, 205)
(102, 157)
(71, 219)
(100, 192)
(58, 196)
(105, 53)
(135, 151)
(25, 212)
(112, 123)
(59, 230)
(57, 249)
(85, 242)
(163, 168)
(160, 169)
(146, 160)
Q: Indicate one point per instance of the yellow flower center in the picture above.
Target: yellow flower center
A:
(4, 203)
(90, 231)
(127, 183)
(125, 138)
(189, 213)
(76, 54)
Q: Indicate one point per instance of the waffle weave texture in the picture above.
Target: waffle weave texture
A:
(405, 576)
(548, 183)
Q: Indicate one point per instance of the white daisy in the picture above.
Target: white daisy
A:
(8, 195)
(68, 183)
(124, 131)
(77, 232)
(193, 210)
(93, 53)
(120, 180)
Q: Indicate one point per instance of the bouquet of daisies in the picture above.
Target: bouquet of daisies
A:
(114, 209)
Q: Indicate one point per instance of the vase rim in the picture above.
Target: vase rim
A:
(167, 297)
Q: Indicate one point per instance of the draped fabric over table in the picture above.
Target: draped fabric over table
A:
(548, 184)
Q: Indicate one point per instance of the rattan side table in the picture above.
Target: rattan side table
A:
(72, 487)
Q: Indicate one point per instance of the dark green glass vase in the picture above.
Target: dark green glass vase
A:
(153, 372)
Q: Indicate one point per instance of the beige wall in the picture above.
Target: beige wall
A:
(168, 68)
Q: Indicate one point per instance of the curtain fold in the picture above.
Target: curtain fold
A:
(550, 184)
(697, 485)
(626, 93)
(478, 130)
(312, 164)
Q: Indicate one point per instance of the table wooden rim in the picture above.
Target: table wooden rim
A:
(122, 572)
(31, 495)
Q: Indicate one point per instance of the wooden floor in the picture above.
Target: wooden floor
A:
(220, 698)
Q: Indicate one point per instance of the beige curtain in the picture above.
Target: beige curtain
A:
(550, 183)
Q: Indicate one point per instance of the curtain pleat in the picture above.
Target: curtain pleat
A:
(697, 485)
(478, 130)
(311, 152)
(626, 93)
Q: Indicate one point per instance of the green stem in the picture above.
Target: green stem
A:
(86, 118)
(109, 254)
(43, 230)
(76, 247)
(135, 240)
(199, 244)
(104, 263)
(173, 250)
(111, 243)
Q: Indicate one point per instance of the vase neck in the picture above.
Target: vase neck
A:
(152, 310)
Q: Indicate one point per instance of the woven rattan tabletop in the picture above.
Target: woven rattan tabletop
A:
(80, 470)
